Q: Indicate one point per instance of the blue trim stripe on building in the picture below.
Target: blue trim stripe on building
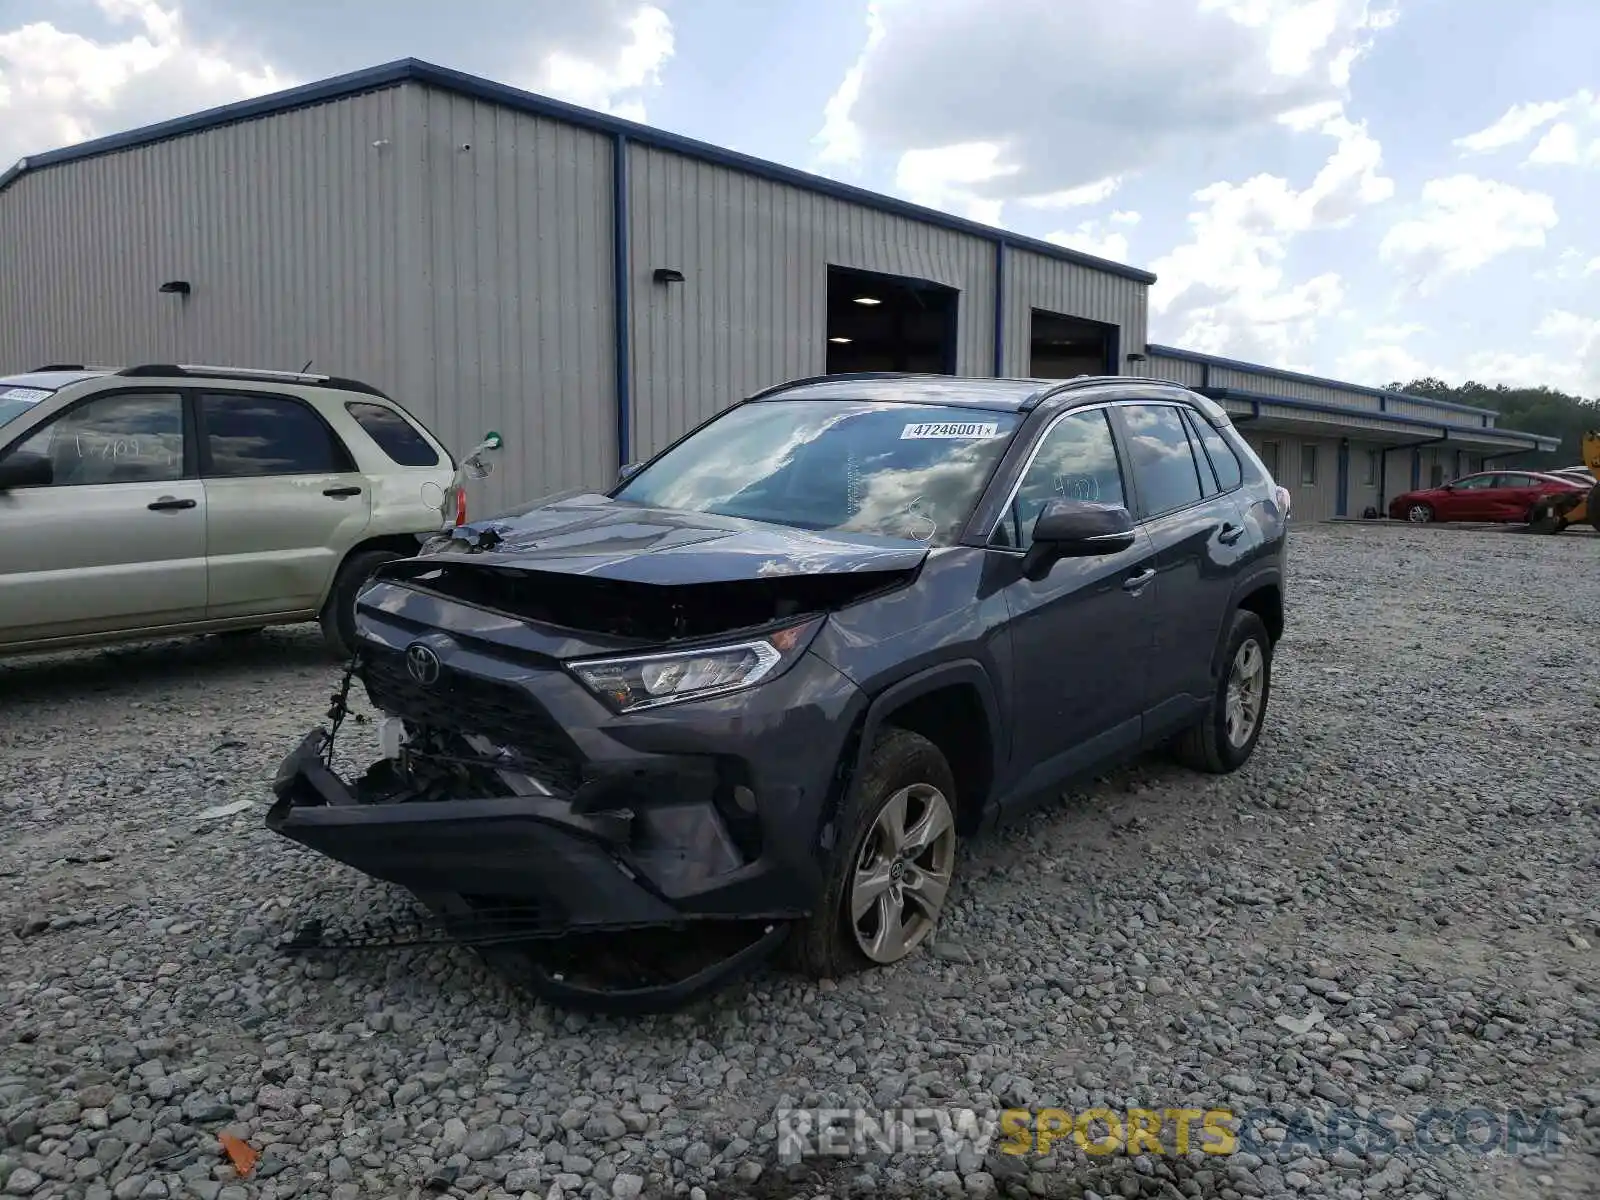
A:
(621, 292)
(411, 70)
(1209, 360)
(1341, 502)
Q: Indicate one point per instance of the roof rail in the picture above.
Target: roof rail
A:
(61, 367)
(1082, 381)
(847, 375)
(198, 371)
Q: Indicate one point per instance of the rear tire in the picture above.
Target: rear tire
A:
(1224, 740)
(1544, 520)
(893, 863)
(338, 617)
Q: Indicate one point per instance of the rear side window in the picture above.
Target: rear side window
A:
(249, 435)
(1164, 469)
(396, 436)
(1224, 462)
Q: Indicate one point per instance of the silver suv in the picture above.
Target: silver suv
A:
(159, 500)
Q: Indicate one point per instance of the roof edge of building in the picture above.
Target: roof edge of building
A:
(1235, 364)
(1541, 442)
(413, 70)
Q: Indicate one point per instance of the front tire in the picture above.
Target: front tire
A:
(892, 865)
(1420, 514)
(338, 618)
(1224, 740)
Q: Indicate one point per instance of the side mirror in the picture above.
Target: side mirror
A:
(628, 471)
(26, 470)
(1076, 529)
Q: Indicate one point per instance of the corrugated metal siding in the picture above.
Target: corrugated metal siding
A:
(514, 290)
(1034, 281)
(752, 310)
(286, 229)
(1315, 501)
(1292, 389)
(1174, 370)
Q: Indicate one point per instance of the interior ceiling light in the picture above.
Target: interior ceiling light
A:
(868, 300)
(840, 341)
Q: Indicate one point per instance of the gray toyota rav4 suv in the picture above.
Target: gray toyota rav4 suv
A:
(757, 692)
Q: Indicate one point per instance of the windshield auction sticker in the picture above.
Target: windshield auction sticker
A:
(960, 430)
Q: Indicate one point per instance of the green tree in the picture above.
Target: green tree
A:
(1541, 410)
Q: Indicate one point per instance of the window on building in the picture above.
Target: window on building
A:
(1271, 458)
(1077, 460)
(1308, 465)
(126, 437)
(1369, 475)
(1164, 467)
(249, 435)
(396, 436)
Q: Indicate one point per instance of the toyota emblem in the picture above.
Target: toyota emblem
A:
(422, 664)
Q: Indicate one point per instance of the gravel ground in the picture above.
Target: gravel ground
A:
(1396, 907)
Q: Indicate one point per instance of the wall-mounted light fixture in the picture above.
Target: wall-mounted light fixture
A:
(667, 275)
(869, 301)
(1135, 356)
(178, 287)
(840, 341)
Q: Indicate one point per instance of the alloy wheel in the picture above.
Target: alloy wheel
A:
(1246, 687)
(903, 873)
(1421, 514)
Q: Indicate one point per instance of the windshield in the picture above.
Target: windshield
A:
(14, 401)
(897, 470)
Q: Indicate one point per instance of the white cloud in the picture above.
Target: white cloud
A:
(1088, 194)
(1463, 223)
(947, 179)
(58, 87)
(1096, 238)
(941, 74)
(1225, 289)
(611, 84)
(1570, 131)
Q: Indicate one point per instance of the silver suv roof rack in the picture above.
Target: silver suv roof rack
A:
(201, 371)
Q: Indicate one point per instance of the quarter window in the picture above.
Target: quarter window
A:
(1225, 465)
(248, 435)
(1076, 460)
(126, 437)
(395, 436)
(1164, 467)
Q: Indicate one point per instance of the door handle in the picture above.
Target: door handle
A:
(170, 504)
(1136, 582)
(341, 492)
(1230, 533)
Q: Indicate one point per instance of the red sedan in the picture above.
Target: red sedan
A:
(1486, 496)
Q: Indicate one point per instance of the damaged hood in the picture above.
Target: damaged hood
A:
(599, 538)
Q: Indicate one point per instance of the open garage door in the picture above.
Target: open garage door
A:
(1065, 346)
(889, 323)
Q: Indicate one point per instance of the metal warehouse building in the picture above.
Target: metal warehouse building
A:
(592, 288)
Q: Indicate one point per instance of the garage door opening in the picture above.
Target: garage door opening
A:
(889, 323)
(1066, 346)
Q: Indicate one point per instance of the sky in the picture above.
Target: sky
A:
(1374, 190)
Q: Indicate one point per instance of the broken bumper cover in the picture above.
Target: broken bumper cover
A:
(641, 843)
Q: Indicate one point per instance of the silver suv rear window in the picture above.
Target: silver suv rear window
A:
(396, 436)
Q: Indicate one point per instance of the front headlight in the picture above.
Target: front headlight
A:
(639, 681)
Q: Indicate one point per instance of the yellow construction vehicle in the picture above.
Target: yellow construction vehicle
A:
(1554, 513)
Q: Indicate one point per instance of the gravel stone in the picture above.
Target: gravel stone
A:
(1390, 909)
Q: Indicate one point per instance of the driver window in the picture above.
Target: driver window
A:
(131, 437)
(1076, 460)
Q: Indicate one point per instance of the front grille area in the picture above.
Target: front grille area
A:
(465, 704)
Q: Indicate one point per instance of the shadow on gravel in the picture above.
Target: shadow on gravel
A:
(133, 668)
